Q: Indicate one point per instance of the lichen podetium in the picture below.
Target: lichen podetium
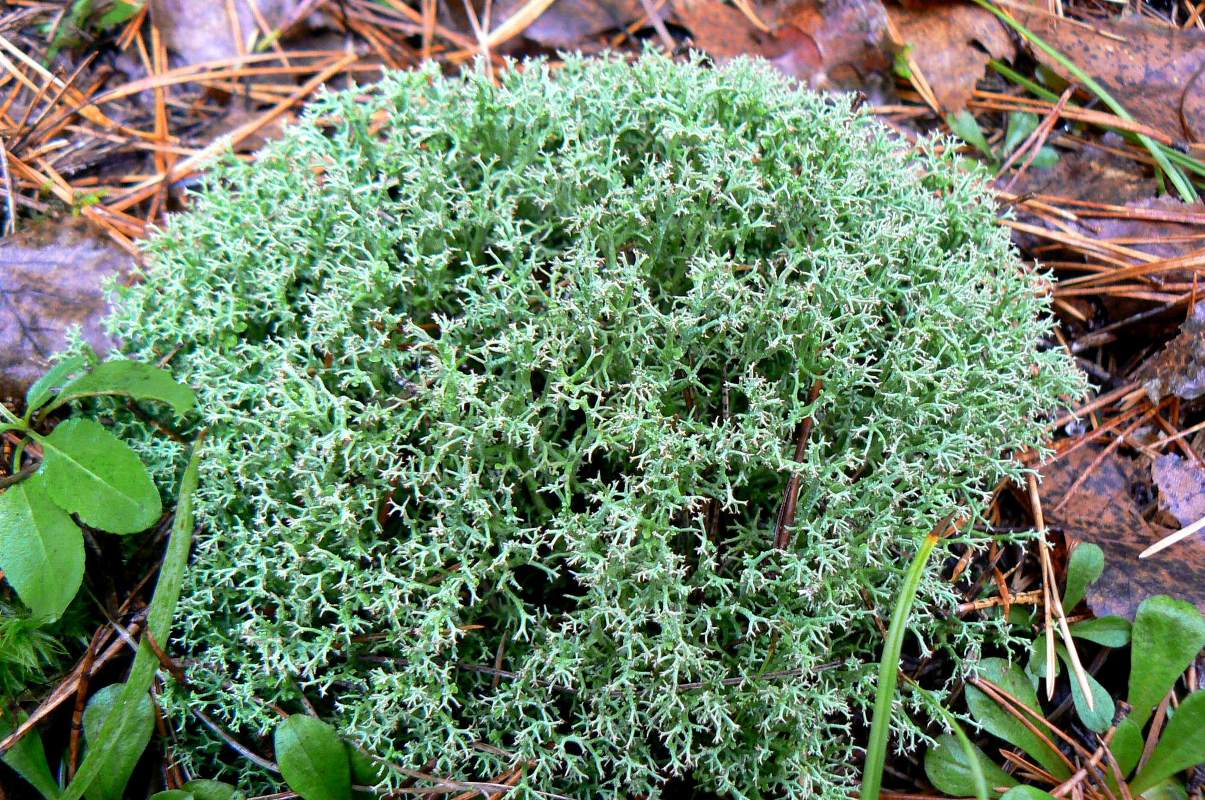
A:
(506, 388)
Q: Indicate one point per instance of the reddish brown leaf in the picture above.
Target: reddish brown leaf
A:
(838, 44)
(1179, 368)
(1103, 511)
(951, 44)
(51, 281)
(1153, 70)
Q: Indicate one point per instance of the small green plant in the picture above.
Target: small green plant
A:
(1165, 638)
(582, 424)
(85, 472)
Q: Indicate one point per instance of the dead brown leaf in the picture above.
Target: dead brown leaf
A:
(837, 44)
(50, 282)
(1179, 368)
(198, 32)
(1103, 510)
(951, 45)
(1181, 487)
(567, 22)
(1153, 70)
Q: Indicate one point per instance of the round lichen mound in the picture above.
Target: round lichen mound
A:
(584, 423)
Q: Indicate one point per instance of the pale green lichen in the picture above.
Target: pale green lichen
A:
(514, 375)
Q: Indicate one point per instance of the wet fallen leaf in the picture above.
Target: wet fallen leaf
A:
(51, 281)
(1179, 368)
(198, 32)
(1153, 70)
(1181, 487)
(567, 22)
(951, 45)
(1103, 511)
(838, 44)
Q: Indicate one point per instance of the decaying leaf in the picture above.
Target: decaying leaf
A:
(951, 44)
(1181, 487)
(1151, 69)
(837, 44)
(1103, 511)
(198, 32)
(50, 281)
(1179, 368)
(566, 23)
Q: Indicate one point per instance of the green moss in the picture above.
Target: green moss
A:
(513, 375)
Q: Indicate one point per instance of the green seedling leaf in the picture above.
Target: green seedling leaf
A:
(173, 794)
(1100, 716)
(948, 768)
(132, 379)
(121, 726)
(120, 12)
(1181, 746)
(92, 473)
(1105, 631)
(966, 127)
(1046, 158)
(28, 759)
(44, 387)
(1020, 125)
(1168, 790)
(1084, 568)
(1027, 793)
(41, 549)
(1127, 746)
(1167, 635)
(202, 789)
(1000, 722)
(312, 759)
(139, 722)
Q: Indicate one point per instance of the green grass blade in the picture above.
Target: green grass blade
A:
(889, 667)
(159, 618)
(1178, 179)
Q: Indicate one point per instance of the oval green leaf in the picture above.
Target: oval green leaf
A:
(312, 759)
(41, 549)
(1181, 746)
(43, 387)
(92, 473)
(1027, 793)
(947, 768)
(123, 757)
(1084, 568)
(1105, 631)
(28, 758)
(202, 789)
(1000, 722)
(131, 379)
(1167, 635)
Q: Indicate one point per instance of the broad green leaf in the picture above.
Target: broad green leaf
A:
(202, 789)
(1106, 631)
(119, 727)
(966, 127)
(121, 760)
(1000, 722)
(1127, 746)
(1168, 790)
(1167, 635)
(364, 771)
(28, 759)
(1182, 745)
(44, 387)
(312, 759)
(128, 379)
(1020, 125)
(41, 549)
(1027, 793)
(1084, 568)
(173, 794)
(92, 473)
(947, 767)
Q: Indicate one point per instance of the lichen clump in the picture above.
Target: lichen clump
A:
(505, 388)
